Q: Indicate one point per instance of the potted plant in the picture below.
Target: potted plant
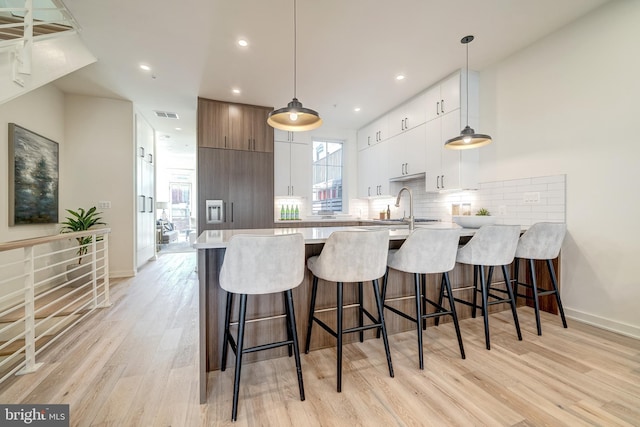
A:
(80, 220)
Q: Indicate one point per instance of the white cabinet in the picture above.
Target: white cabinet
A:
(292, 169)
(373, 133)
(445, 96)
(373, 178)
(145, 192)
(407, 153)
(409, 115)
(448, 169)
(286, 136)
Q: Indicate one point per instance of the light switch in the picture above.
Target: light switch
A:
(104, 204)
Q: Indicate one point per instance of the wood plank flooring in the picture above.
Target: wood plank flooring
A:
(135, 364)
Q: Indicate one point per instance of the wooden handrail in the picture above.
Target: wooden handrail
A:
(24, 243)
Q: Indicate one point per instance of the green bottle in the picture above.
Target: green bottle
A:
(297, 213)
(287, 213)
(281, 212)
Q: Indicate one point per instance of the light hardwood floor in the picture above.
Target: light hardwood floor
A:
(135, 364)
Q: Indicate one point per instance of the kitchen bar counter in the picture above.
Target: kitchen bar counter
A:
(211, 246)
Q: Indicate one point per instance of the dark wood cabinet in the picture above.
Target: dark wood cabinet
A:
(234, 126)
(243, 180)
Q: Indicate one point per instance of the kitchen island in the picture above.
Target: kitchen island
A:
(268, 309)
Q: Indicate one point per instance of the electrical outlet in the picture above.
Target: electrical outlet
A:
(104, 204)
(532, 197)
(502, 210)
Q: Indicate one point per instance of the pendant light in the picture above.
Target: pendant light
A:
(468, 137)
(294, 117)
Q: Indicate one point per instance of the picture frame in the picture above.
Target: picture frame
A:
(33, 177)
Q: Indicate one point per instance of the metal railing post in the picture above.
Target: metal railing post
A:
(106, 299)
(29, 315)
(94, 279)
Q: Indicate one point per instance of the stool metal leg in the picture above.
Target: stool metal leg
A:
(287, 314)
(423, 298)
(447, 283)
(339, 337)
(516, 284)
(536, 302)
(240, 344)
(441, 297)
(376, 291)
(360, 312)
(485, 303)
(225, 337)
(554, 282)
(513, 302)
(419, 301)
(385, 280)
(291, 321)
(475, 290)
(312, 309)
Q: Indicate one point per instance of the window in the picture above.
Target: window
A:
(327, 177)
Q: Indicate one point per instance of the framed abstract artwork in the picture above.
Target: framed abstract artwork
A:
(33, 177)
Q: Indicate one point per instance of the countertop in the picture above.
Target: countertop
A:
(212, 239)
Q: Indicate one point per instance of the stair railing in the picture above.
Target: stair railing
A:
(47, 286)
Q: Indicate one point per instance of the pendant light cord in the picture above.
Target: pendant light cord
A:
(467, 83)
(295, 48)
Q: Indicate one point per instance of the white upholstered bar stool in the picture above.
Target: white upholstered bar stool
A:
(426, 251)
(351, 257)
(258, 265)
(491, 246)
(542, 241)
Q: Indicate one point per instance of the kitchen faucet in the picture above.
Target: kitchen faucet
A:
(411, 219)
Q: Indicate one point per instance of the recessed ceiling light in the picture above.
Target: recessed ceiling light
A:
(400, 77)
(356, 109)
(178, 128)
(145, 67)
(243, 43)
(236, 91)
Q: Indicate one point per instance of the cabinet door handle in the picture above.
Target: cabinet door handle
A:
(368, 140)
(442, 106)
(406, 168)
(224, 208)
(141, 151)
(225, 141)
(231, 211)
(406, 123)
(151, 158)
(150, 205)
(292, 190)
(438, 108)
(438, 182)
(369, 191)
(442, 181)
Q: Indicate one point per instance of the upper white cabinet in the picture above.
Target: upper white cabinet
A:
(444, 97)
(407, 153)
(408, 115)
(373, 178)
(373, 133)
(447, 169)
(286, 136)
(292, 168)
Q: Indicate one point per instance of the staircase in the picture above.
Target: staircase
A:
(43, 45)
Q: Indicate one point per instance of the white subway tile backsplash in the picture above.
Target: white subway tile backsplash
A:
(548, 179)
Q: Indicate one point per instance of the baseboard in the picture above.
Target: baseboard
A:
(121, 274)
(603, 323)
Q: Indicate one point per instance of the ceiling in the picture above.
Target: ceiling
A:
(348, 52)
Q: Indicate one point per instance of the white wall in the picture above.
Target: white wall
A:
(41, 111)
(568, 104)
(100, 166)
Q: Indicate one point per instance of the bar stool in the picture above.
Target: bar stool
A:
(258, 265)
(426, 252)
(354, 257)
(491, 246)
(542, 241)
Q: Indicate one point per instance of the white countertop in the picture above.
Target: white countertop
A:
(211, 239)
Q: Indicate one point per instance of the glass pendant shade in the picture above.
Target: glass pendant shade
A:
(294, 117)
(468, 137)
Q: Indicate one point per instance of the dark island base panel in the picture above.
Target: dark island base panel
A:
(271, 306)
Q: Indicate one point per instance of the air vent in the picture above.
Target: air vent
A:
(166, 115)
